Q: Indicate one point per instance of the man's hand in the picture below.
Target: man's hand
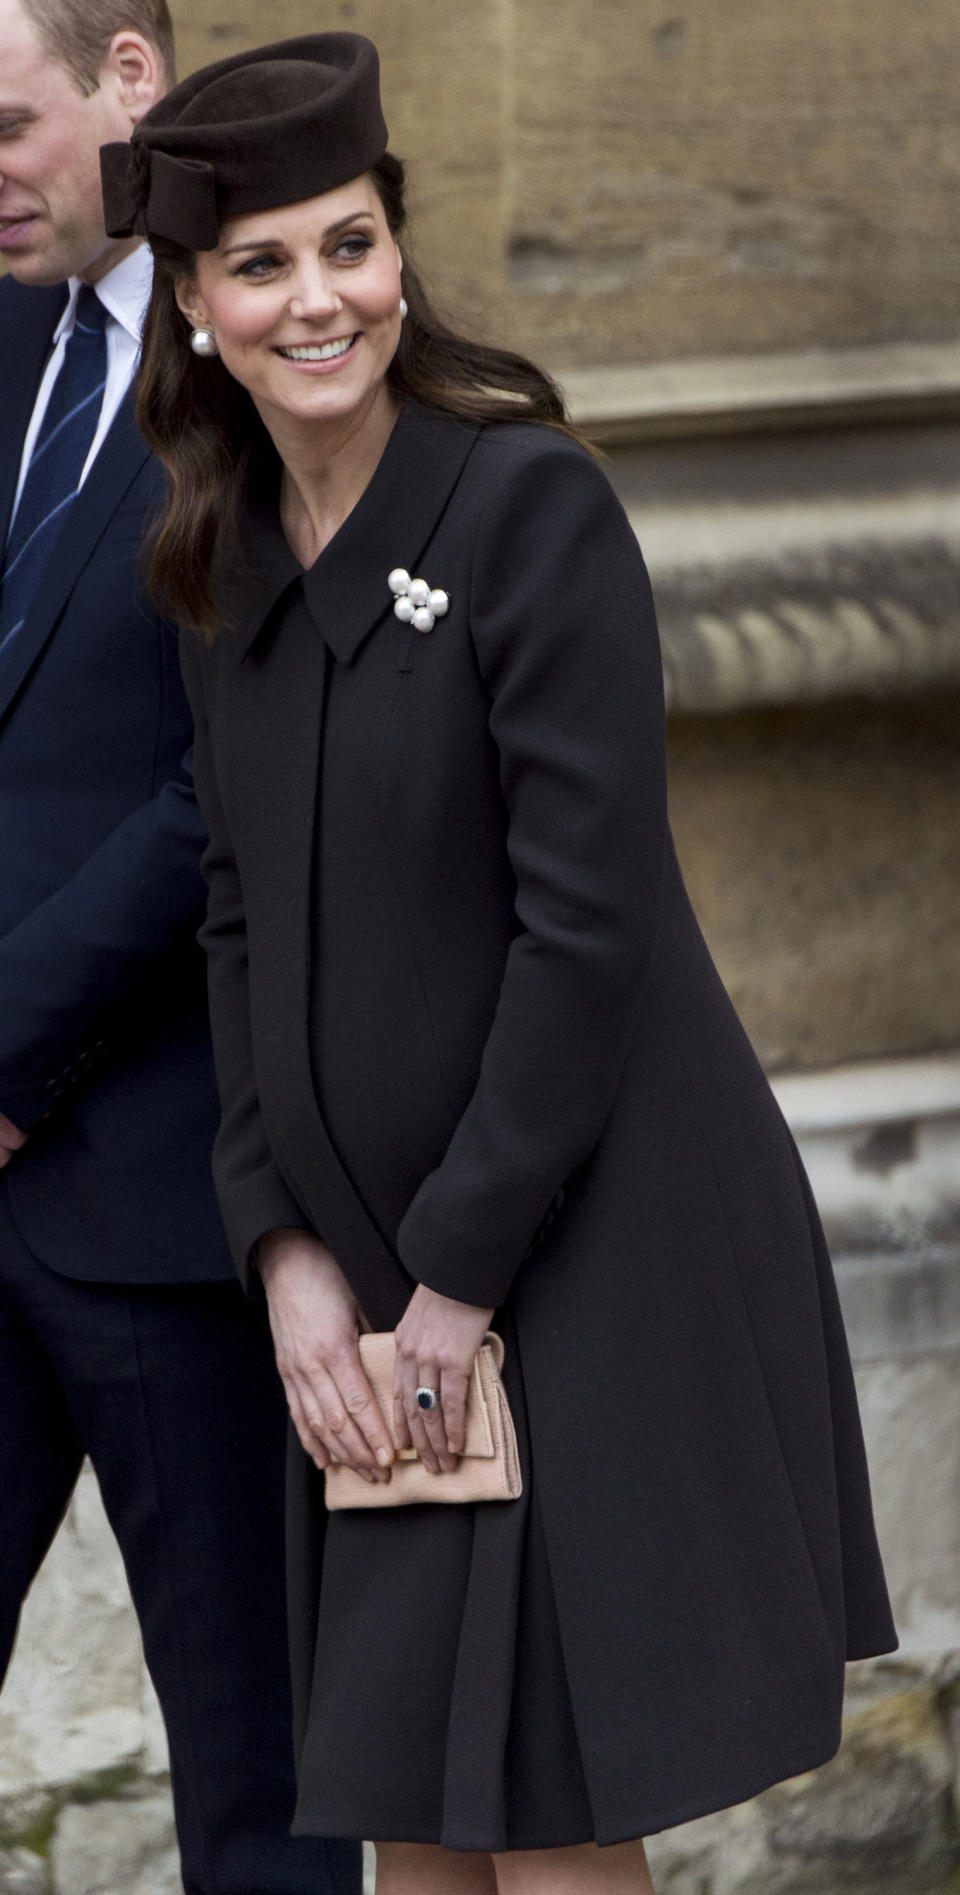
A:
(11, 1139)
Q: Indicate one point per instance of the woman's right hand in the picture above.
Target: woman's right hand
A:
(315, 1324)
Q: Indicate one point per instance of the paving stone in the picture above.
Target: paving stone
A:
(122, 1847)
(683, 1861)
(73, 1703)
(878, 1820)
(882, 1808)
(24, 1811)
(23, 1873)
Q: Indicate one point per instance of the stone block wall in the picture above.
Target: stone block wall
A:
(617, 180)
(821, 847)
(706, 178)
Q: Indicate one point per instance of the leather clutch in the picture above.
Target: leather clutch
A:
(488, 1468)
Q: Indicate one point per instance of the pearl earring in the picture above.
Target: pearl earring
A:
(204, 342)
(403, 307)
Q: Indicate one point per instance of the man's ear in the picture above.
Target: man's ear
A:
(136, 70)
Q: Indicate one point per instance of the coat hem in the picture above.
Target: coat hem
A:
(634, 1830)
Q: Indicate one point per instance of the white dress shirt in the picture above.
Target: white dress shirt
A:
(124, 293)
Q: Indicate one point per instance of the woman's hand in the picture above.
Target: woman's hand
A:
(437, 1340)
(315, 1323)
(11, 1139)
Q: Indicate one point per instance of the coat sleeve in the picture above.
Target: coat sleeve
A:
(565, 635)
(72, 963)
(252, 1194)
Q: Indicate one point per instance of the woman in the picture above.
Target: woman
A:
(476, 1064)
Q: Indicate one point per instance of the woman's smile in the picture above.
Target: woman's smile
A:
(318, 355)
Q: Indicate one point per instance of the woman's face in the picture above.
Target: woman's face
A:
(305, 304)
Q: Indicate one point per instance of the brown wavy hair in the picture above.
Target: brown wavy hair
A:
(204, 427)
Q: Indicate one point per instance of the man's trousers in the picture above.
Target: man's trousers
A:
(173, 1393)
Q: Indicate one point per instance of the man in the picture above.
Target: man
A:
(122, 1332)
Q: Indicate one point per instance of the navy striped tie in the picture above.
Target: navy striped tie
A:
(56, 465)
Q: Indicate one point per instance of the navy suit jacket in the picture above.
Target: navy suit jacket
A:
(104, 1044)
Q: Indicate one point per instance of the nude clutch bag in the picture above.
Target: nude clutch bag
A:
(488, 1468)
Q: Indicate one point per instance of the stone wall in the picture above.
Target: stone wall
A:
(821, 847)
(617, 180)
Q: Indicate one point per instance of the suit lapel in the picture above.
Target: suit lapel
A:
(28, 319)
(123, 454)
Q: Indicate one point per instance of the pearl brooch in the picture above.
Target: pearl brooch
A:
(416, 603)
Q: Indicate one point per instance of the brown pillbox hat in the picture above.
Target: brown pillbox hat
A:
(269, 127)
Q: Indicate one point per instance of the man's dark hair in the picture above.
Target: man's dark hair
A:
(77, 33)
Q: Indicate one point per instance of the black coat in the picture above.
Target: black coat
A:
(468, 1030)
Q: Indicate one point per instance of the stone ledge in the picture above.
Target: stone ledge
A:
(869, 1092)
(898, 1306)
(844, 618)
(881, 1142)
(799, 517)
(657, 401)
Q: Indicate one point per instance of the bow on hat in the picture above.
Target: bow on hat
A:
(153, 191)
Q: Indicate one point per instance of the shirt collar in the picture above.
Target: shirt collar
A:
(124, 293)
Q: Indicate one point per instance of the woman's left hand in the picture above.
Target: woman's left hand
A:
(437, 1340)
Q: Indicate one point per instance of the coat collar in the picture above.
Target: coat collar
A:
(391, 525)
